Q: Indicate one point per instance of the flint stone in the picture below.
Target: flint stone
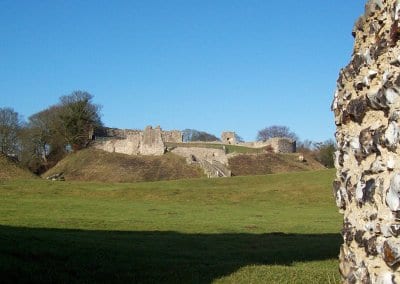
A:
(392, 135)
(379, 49)
(376, 99)
(385, 278)
(358, 26)
(372, 7)
(393, 193)
(395, 230)
(391, 253)
(356, 109)
(347, 232)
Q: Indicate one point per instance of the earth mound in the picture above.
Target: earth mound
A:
(9, 169)
(97, 165)
(271, 163)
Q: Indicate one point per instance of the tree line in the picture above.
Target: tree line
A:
(47, 136)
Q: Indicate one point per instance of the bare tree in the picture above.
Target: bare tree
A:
(305, 145)
(10, 125)
(79, 117)
(324, 152)
(239, 138)
(275, 131)
(42, 145)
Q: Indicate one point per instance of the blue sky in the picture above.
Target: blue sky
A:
(211, 65)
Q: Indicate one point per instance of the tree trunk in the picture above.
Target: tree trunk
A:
(367, 117)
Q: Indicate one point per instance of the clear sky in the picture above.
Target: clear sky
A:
(210, 65)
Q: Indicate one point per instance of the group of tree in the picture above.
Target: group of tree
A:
(191, 135)
(276, 131)
(10, 124)
(48, 135)
(323, 152)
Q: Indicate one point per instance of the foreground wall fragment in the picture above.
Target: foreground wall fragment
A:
(367, 116)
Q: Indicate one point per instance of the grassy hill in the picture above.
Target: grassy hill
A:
(97, 165)
(270, 163)
(281, 228)
(9, 169)
(228, 148)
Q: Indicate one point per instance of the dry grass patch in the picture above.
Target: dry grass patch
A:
(270, 163)
(9, 169)
(97, 165)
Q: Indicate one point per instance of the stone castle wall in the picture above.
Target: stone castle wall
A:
(151, 141)
(135, 142)
(119, 133)
(367, 117)
(173, 136)
(281, 145)
(278, 144)
(129, 146)
(193, 154)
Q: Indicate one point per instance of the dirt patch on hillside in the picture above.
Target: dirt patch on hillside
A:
(270, 163)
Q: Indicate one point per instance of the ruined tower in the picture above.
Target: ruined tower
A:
(228, 137)
(367, 116)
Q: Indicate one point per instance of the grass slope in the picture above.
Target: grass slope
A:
(270, 163)
(10, 170)
(262, 229)
(228, 148)
(96, 165)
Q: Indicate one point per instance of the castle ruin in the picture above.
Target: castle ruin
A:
(150, 141)
(228, 137)
(281, 145)
(277, 145)
(153, 141)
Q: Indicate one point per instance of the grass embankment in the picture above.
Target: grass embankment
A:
(228, 148)
(11, 170)
(97, 165)
(271, 163)
(263, 229)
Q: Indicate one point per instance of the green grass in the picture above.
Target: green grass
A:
(261, 229)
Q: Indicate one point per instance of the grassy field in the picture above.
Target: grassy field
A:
(261, 229)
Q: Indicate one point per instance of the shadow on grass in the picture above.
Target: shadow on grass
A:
(65, 256)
